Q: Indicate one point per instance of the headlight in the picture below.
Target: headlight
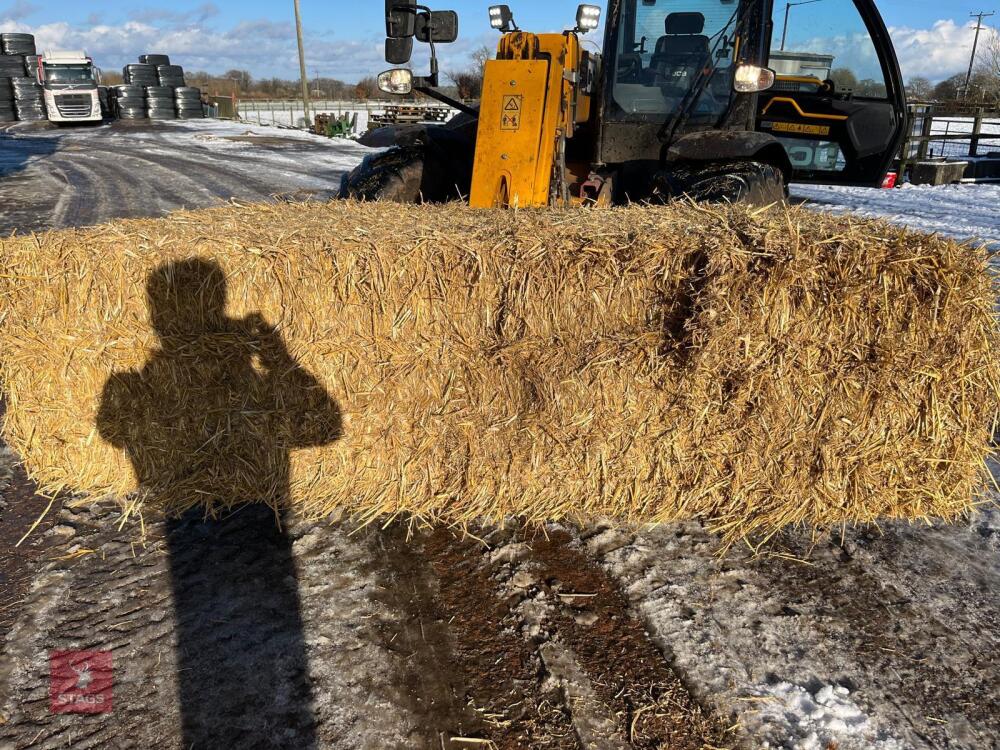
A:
(396, 81)
(588, 18)
(752, 78)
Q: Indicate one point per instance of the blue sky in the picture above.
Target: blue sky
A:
(344, 38)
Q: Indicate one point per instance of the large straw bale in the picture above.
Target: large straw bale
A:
(753, 370)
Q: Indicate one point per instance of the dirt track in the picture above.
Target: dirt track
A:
(54, 178)
(232, 634)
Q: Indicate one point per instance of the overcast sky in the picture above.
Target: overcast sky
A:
(344, 39)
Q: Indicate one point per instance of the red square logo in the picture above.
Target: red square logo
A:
(80, 682)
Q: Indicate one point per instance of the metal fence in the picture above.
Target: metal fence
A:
(291, 113)
(949, 132)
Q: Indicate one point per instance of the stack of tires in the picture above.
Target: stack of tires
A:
(104, 97)
(188, 100)
(21, 98)
(7, 112)
(141, 74)
(156, 60)
(129, 101)
(29, 99)
(167, 97)
(170, 75)
(31, 66)
(12, 66)
(160, 103)
(22, 45)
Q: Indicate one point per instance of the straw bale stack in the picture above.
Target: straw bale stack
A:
(753, 370)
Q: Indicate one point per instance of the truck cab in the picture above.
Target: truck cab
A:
(70, 80)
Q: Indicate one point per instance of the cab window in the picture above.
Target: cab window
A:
(821, 48)
(665, 48)
(825, 41)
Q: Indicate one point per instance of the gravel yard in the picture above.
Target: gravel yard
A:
(329, 636)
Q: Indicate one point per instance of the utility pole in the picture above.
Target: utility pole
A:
(975, 45)
(788, 7)
(302, 61)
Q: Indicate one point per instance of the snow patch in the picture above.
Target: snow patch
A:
(794, 718)
(964, 212)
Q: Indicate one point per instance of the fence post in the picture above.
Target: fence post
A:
(907, 149)
(977, 130)
(927, 127)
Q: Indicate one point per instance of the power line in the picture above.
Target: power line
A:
(975, 45)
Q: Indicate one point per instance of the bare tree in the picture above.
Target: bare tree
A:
(987, 77)
(480, 57)
(949, 89)
(919, 89)
(469, 82)
(366, 88)
(242, 77)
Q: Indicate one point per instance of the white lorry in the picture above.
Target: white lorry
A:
(70, 80)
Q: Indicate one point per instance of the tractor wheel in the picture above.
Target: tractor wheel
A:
(395, 175)
(432, 165)
(753, 182)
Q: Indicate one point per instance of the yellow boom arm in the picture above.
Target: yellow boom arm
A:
(531, 104)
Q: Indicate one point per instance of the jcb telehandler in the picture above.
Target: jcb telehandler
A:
(687, 97)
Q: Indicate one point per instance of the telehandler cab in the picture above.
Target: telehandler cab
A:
(687, 97)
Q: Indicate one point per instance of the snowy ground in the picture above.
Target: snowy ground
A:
(959, 211)
(883, 640)
(51, 178)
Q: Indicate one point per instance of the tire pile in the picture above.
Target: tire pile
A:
(155, 89)
(21, 96)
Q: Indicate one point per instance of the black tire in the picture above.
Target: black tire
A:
(752, 182)
(430, 164)
(170, 75)
(140, 75)
(154, 60)
(13, 43)
(12, 67)
(400, 175)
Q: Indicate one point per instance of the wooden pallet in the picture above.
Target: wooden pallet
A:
(408, 114)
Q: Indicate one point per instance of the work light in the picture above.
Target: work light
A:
(588, 18)
(501, 18)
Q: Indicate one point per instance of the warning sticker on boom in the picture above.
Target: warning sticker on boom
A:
(510, 117)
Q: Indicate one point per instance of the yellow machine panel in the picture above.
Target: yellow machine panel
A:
(512, 166)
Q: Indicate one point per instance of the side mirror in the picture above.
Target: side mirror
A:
(439, 27)
(400, 18)
(398, 81)
(398, 51)
(750, 79)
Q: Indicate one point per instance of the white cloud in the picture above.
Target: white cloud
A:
(936, 53)
(265, 48)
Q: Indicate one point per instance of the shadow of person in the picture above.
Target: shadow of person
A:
(210, 422)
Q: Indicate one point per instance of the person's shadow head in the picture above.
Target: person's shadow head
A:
(187, 298)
